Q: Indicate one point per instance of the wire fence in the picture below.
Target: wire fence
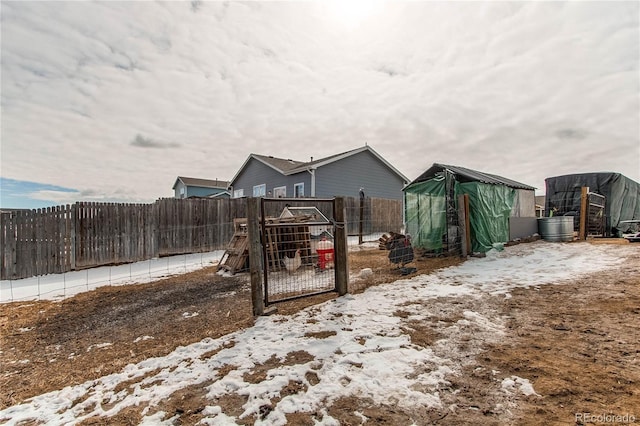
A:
(86, 235)
(298, 250)
(68, 284)
(61, 286)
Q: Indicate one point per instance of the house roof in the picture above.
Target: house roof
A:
(289, 167)
(220, 194)
(282, 165)
(311, 211)
(469, 175)
(203, 183)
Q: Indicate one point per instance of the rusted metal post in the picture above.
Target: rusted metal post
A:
(584, 213)
(467, 218)
(361, 219)
(462, 225)
(340, 247)
(255, 255)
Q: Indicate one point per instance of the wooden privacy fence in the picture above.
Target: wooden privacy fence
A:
(111, 234)
(85, 235)
(37, 242)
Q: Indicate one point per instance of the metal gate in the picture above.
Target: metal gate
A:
(298, 247)
(596, 219)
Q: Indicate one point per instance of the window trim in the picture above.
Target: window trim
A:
(262, 190)
(295, 190)
(238, 193)
(279, 188)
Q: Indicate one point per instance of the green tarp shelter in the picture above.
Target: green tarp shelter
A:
(431, 207)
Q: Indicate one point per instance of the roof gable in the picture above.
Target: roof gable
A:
(289, 167)
(337, 157)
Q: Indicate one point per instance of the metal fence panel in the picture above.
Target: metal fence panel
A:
(298, 252)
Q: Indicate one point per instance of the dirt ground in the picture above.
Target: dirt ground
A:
(577, 343)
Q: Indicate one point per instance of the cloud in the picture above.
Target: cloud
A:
(196, 5)
(571, 134)
(508, 88)
(143, 142)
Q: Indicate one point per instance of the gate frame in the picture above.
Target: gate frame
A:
(258, 262)
(587, 201)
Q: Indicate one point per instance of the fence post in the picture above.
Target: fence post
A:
(463, 205)
(584, 213)
(340, 247)
(255, 255)
(361, 219)
(72, 238)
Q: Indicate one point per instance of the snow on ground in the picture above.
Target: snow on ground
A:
(362, 350)
(60, 286)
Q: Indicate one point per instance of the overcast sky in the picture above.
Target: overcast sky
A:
(112, 101)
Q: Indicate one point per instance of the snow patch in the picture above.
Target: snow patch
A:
(363, 349)
(514, 383)
(99, 346)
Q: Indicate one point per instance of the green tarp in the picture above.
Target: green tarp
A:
(489, 210)
(425, 213)
(490, 207)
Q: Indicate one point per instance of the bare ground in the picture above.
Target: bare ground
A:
(577, 343)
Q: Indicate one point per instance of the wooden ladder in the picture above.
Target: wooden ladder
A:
(237, 252)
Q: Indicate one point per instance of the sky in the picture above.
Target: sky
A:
(111, 101)
(366, 351)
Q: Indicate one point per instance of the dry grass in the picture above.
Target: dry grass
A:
(385, 272)
(61, 342)
(577, 343)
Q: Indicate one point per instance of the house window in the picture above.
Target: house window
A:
(260, 190)
(182, 192)
(298, 190)
(280, 192)
(238, 193)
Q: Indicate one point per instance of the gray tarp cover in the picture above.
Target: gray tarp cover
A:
(622, 196)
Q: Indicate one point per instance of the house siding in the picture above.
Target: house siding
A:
(195, 191)
(198, 191)
(257, 173)
(362, 170)
(178, 187)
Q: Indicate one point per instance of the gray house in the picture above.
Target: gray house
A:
(337, 175)
(186, 187)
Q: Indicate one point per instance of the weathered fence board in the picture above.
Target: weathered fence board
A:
(85, 235)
